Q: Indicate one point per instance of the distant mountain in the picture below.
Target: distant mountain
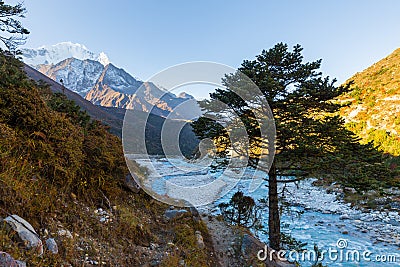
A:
(77, 75)
(111, 90)
(102, 83)
(56, 53)
(374, 110)
(114, 118)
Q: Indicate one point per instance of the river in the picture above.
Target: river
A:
(345, 235)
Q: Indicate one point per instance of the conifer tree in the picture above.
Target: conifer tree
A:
(311, 140)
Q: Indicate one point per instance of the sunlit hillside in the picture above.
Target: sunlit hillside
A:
(374, 112)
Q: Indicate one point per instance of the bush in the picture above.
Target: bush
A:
(241, 210)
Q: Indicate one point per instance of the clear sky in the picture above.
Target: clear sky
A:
(144, 37)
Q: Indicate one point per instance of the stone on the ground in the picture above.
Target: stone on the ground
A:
(52, 245)
(350, 190)
(199, 240)
(131, 183)
(65, 233)
(171, 214)
(7, 260)
(25, 232)
(344, 217)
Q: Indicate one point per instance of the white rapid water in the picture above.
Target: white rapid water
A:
(314, 216)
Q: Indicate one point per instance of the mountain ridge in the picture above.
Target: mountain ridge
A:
(114, 117)
(108, 85)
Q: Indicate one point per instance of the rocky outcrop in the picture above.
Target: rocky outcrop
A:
(25, 232)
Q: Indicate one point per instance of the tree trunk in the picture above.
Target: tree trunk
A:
(274, 222)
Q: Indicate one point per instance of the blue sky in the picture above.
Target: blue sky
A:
(145, 37)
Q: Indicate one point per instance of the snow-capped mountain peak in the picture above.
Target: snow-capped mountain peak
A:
(53, 54)
(103, 59)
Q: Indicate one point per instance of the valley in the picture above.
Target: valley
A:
(199, 134)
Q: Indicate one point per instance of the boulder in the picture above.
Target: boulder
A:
(7, 261)
(52, 245)
(25, 232)
(252, 248)
(131, 183)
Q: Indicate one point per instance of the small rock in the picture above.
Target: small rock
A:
(371, 193)
(345, 232)
(199, 239)
(25, 232)
(131, 183)
(350, 190)
(344, 217)
(153, 246)
(7, 261)
(65, 233)
(52, 245)
(155, 263)
(20, 263)
(171, 214)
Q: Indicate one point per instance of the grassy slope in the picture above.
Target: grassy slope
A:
(374, 112)
(57, 168)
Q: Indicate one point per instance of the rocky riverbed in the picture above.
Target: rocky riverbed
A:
(315, 215)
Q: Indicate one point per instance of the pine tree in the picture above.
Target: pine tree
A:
(311, 140)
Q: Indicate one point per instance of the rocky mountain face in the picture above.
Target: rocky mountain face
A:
(78, 75)
(374, 110)
(102, 83)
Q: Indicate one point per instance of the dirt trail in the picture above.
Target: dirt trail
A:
(225, 240)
